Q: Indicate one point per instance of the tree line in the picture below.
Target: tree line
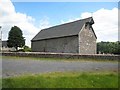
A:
(108, 47)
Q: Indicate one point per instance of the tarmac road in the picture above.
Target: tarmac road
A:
(12, 67)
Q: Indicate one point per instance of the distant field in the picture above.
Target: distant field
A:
(64, 80)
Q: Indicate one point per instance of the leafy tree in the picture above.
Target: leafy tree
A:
(117, 48)
(15, 38)
(108, 47)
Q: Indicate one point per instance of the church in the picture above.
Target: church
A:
(73, 37)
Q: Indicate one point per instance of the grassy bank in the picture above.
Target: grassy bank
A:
(64, 80)
(54, 59)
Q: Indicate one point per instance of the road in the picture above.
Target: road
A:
(13, 67)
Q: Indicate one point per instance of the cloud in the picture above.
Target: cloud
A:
(9, 18)
(44, 22)
(106, 23)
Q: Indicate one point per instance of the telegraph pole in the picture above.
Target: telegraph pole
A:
(1, 33)
(0, 39)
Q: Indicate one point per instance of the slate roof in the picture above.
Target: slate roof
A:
(67, 29)
(4, 44)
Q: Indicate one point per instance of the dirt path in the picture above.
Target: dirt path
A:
(12, 67)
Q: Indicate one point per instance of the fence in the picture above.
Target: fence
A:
(62, 55)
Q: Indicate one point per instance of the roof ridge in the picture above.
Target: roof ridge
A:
(65, 23)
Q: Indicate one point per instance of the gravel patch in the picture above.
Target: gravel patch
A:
(12, 67)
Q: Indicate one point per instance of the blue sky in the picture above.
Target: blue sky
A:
(57, 11)
(31, 17)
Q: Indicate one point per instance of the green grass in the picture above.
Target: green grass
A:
(0, 82)
(54, 59)
(64, 80)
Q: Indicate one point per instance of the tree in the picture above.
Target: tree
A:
(15, 38)
(108, 47)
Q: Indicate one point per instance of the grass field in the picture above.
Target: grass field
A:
(64, 80)
(55, 59)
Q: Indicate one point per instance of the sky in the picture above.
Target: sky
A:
(31, 17)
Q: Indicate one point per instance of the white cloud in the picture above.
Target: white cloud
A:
(106, 23)
(70, 20)
(44, 22)
(9, 18)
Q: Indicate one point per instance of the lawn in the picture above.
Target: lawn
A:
(55, 59)
(64, 80)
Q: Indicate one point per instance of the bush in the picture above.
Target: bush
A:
(27, 49)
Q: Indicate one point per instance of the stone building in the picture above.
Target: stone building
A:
(74, 37)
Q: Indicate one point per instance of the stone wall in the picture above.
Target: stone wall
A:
(87, 41)
(61, 55)
(57, 45)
